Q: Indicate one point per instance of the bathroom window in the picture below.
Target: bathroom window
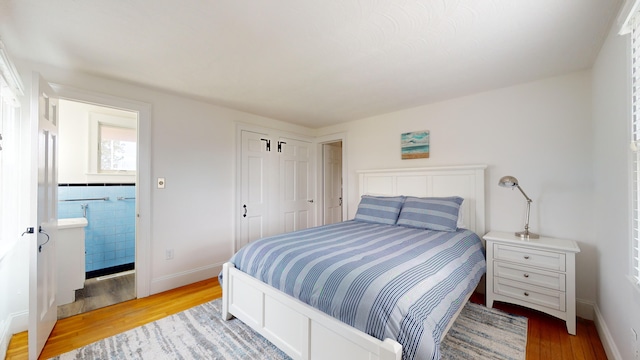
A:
(112, 144)
(117, 148)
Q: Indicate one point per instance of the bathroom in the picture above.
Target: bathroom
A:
(97, 201)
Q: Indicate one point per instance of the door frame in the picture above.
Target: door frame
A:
(328, 139)
(143, 174)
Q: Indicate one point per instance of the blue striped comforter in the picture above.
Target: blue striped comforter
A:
(385, 280)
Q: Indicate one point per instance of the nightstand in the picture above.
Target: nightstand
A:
(539, 274)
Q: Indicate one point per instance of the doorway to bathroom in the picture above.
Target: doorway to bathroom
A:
(97, 182)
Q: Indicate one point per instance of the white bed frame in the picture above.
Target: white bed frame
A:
(303, 332)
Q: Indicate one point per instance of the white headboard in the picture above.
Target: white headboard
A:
(464, 181)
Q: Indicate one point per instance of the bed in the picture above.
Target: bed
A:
(299, 312)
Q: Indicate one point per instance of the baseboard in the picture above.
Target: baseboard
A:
(176, 280)
(109, 270)
(590, 311)
(584, 309)
(5, 337)
(15, 323)
(609, 345)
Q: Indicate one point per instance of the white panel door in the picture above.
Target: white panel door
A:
(332, 168)
(297, 186)
(255, 175)
(42, 268)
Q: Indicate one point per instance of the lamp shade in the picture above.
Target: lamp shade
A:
(508, 181)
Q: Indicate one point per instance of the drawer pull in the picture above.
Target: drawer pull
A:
(526, 275)
(526, 294)
(526, 257)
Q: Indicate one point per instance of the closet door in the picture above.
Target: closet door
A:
(255, 182)
(297, 186)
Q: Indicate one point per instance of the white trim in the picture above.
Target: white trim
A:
(623, 20)
(606, 338)
(584, 309)
(13, 324)
(634, 131)
(635, 283)
(19, 321)
(327, 139)
(5, 336)
(143, 175)
(96, 120)
(9, 73)
(172, 281)
(10, 127)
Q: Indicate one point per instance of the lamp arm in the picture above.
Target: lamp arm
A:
(526, 221)
(525, 195)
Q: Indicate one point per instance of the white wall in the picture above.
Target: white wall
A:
(618, 302)
(73, 149)
(14, 287)
(193, 147)
(539, 132)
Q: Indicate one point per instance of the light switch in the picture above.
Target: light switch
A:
(161, 183)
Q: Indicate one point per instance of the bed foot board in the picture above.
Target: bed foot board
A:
(299, 330)
(226, 315)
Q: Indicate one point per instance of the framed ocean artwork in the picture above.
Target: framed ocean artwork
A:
(415, 145)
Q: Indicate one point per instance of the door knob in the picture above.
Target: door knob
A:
(311, 201)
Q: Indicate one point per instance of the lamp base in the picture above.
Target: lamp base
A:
(526, 235)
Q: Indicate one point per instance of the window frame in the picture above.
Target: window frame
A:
(632, 27)
(96, 120)
(101, 127)
(10, 90)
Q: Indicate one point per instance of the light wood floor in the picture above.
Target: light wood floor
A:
(79, 330)
(547, 336)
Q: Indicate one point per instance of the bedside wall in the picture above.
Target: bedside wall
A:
(539, 132)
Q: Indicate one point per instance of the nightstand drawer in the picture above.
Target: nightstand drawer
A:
(527, 256)
(529, 275)
(531, 294)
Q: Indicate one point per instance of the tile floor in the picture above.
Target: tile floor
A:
(100, 292)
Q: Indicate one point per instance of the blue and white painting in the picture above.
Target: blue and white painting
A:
(415, 145)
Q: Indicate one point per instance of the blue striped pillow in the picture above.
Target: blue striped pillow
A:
(379, 209)
(433, 213)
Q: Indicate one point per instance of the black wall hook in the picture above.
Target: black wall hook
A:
(45, 234)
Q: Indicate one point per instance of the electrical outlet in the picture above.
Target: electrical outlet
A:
(161, 183)
(169, 254)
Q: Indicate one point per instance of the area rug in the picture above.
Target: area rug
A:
(200, 333)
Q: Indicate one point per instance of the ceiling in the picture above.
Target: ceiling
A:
(312, 63)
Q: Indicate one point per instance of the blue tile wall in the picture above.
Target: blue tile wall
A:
(110, 235)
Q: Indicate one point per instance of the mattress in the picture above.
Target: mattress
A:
(388, 281)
